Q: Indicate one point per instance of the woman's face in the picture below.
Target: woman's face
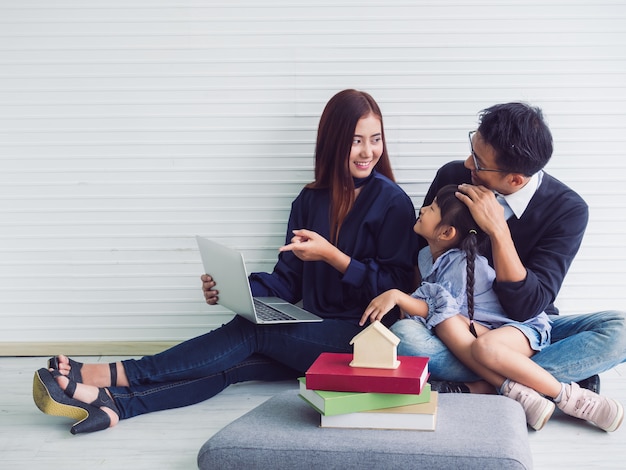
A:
(367, 146)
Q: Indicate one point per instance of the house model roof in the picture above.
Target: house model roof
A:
(375, 347)
(381, 329)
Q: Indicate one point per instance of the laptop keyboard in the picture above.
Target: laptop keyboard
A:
(267, 313)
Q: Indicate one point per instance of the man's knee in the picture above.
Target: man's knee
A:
(416, 339)
(410, 330)
(611, 325)
(615, 331)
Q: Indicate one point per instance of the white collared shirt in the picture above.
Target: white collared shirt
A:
(517, 202)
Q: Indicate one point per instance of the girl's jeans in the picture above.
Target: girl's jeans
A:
(582, 346)
(238, 351)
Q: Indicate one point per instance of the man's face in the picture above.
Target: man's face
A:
(488, 174)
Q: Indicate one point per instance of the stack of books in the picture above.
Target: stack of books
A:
(371, 398)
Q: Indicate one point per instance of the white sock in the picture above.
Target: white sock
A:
(559, 397)
(503, 387)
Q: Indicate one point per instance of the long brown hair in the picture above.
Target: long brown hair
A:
(335, 134)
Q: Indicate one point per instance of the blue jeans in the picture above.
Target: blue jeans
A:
(582, 345)
(238, 351)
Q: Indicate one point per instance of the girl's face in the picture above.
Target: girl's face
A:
(367, 146)
(427, 224)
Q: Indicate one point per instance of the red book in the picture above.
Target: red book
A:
(332, 371)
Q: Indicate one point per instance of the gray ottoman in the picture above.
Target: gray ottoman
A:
(473, 432)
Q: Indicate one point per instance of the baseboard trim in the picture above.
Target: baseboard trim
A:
(91, 348)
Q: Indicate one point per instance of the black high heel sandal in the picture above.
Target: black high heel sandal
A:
(52, 400)
(75, 367)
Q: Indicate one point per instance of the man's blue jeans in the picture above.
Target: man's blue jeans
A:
(238, 351)
(582, 345)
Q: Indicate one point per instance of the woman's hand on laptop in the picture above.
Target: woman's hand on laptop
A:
(210, 294)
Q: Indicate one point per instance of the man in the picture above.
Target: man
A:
(535, 226)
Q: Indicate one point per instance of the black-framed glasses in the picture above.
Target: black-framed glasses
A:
(477, 167)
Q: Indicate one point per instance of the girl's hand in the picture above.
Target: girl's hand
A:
(379, 307)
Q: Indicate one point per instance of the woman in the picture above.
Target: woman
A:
(348, 240)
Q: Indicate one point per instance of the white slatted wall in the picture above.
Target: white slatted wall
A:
(128, 127)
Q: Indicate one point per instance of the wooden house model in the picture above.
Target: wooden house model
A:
(375, 347)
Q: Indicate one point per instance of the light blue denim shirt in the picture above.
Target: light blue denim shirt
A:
(443, 288)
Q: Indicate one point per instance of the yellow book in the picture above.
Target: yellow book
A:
(418, 417)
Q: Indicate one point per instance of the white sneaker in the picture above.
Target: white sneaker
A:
(538, 408)
(604, 412)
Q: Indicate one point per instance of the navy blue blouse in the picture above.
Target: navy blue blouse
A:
(377, 234)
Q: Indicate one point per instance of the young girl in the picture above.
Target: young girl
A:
(348, 239)
(457, 300)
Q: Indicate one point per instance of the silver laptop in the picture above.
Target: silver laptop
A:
(228, 268)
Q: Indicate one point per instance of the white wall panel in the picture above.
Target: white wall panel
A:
(128, 127)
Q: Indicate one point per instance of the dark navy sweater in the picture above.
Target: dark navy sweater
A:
(377, 234)
(547, 238)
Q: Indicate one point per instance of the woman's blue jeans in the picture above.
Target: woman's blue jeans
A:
(582, 346)
(238, 351)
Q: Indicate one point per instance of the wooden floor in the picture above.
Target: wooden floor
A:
(171, 439)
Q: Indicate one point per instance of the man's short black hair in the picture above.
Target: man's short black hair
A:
(519, 135)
